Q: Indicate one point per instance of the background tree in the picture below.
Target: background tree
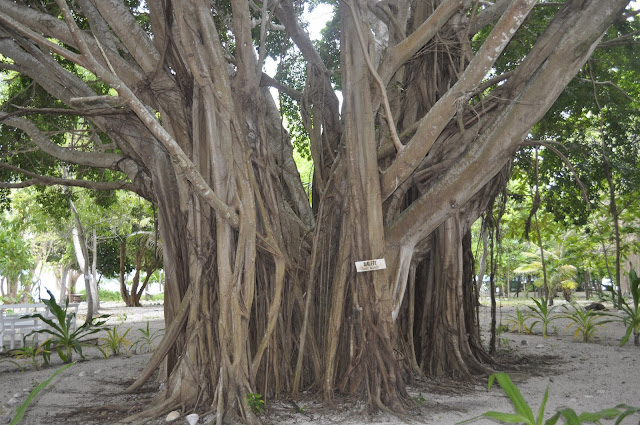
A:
(16, 262)
(261, 293)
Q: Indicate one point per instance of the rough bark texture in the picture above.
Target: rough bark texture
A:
(261, 292)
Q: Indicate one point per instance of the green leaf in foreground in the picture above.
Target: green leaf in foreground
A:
(23, 407)
(525, 416)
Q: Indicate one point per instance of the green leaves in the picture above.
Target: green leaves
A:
(63, 338)
(23, 407)
(524, 414)
(586, 322)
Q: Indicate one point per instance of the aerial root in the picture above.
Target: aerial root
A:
(172, 403)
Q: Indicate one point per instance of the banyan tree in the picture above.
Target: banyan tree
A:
(412, 117)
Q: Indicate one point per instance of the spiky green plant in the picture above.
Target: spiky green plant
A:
(31, 352)
(114, 343)
(146, 340)
(63, 338)
(586, 322)
(524, 414)
(517, 321)
(541, 313)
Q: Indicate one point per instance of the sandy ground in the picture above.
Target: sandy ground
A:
(582, 376)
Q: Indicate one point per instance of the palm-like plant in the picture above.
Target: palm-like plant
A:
(62, 336)
(586, 322)
(560, 274)
(541, 314)
(517, 321)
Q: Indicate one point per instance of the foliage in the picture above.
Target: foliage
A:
(518, 321)
(586, 322)
(23, 407)
(114, 343)
(524, 414)
(8, 360)
(256, 403)
(419, 399)
(16, 259)
(541, 313)
(63, 338)
(31, 352)
(631, 312)
(145, 341)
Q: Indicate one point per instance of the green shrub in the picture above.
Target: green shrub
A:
(145, 341)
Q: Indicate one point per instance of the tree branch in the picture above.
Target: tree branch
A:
(404, 50)
(432, 124)
(150, 121)
(267, 81)
(37, 179)
(60, 111)
(381, 86)
(625, 40)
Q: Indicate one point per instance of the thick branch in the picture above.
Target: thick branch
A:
(432, 124)
(400, 53)
(37, 179)
(497, 142)
(102, 160)
(150, 121)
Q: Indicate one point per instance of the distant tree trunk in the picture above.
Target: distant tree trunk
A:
(82, 256)
(62, 273)
(484, 237)
(94, 271)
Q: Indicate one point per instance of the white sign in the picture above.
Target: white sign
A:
(369, 265)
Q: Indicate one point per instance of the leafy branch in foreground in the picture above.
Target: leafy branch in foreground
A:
(524, 414)
(23, 407)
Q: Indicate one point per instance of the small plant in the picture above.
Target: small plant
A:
(501, 328)
(31, 352)
(256, 402)
(586, 322)
(146, 339)
(631, 313)
(518, 321)
(524, 414)
(419, 399)
(2, 360)
(541, 314)
(63, 338)
(114, 342)
(122, 317)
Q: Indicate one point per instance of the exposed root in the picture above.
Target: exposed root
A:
(166, 343)
(146, 415)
